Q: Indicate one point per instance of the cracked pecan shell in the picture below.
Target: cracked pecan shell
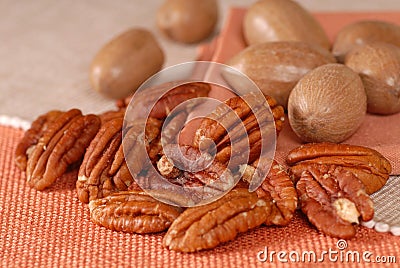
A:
(276, 187)
(242, 121)
(333, 199)
(207, 226)
(133, 212)
(366, 164)
(62, 143)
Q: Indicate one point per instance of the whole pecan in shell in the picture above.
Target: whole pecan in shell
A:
(62, 143)
(207, 226)
(132, 212)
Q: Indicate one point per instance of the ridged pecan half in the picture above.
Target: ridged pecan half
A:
(133, 212)
(62, 142)
(276, 187)
(32, 136)
(333, 199)
(160, 100)
(368, 165)
(104, 169)
(241, 121)
(207, 226)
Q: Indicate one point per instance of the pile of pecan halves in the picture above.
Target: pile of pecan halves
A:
(331, 183)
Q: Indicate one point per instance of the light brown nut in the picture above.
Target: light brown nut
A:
(246, 119)
(32, 136)
(276, 187)
(282, 20)
(125, 62)
(378, 65)
(363, 32)
(368, 165)
(207, 226)
(276, 67)
(62, 144)
(133, 212)
(333, 200)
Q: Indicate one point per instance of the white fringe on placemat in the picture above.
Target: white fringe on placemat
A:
(387, 213)
(12, 121)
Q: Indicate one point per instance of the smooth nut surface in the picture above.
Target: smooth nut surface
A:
(328, 104)
(378, 65)
(276, 67)
(125, 62)
(282, 20)
(187, 21)
(362, 32)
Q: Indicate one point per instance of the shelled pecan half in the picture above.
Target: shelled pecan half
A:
(207, 226)
(160, 100)
(32, 136)
(104, 169)
(334, 182)
(333, 200)
(61, 142)
(133, 212)
(366, 164)
(238, 125)
(276, 187)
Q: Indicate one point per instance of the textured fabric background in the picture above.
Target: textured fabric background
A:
(53, 229)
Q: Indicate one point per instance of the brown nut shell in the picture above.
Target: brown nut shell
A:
(187, 21)
(125, 62)
(276, 67)
(282, 20)
(363, 32)
(378, 65)
(328, 104)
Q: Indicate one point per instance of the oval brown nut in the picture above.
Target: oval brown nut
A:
(282, 20)
(125, 62)
(60, 145)
(378, 65)
(132, 212)
(368, 165)
(328, 104)
(187, 21)
(362, 32)
(207, 226)
(333, 199)
(276, 67)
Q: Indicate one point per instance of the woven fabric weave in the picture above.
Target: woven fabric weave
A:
(53, 229)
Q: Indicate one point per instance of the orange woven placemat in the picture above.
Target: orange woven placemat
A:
(52, 229)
